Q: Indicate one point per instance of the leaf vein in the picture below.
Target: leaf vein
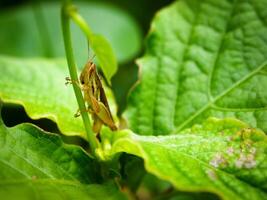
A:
(225, 92)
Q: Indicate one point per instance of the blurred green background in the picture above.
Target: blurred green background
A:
(32, 29)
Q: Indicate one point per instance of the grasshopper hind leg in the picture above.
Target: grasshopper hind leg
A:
(97, 125)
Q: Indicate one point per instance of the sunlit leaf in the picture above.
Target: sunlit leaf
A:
(225, 157)
(203, 58)
(39, 86)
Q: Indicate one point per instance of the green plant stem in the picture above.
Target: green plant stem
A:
(94, 144)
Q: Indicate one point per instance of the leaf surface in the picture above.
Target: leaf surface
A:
(225, 157)
(28, 152)
(39, 86)
(203, 58)
(57, 190)
(38, 165)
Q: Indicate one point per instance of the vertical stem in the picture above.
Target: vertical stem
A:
(73, 74)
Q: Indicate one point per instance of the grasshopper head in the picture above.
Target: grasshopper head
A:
(87, 72)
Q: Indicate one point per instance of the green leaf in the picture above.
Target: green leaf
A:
(57, 190)
(34, 30)
(27, 152)
(225, 157)
(203, 58)
(105, 56)
(37, 165)
(39, 86)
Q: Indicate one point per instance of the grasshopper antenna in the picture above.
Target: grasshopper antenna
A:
(88, 49)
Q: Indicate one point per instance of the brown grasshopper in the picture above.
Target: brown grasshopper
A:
(95, 97)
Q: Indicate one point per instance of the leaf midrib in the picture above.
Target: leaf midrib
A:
(42, 181)
(210, 97)
(15, 168)
(188, 42)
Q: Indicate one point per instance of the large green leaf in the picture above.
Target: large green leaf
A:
(57, 190)
(225, 157)
(28, 152)
(25, 31)
(204, 58)
(37, 165)
(38, 85)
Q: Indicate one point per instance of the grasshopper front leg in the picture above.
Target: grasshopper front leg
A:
(76, 82)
